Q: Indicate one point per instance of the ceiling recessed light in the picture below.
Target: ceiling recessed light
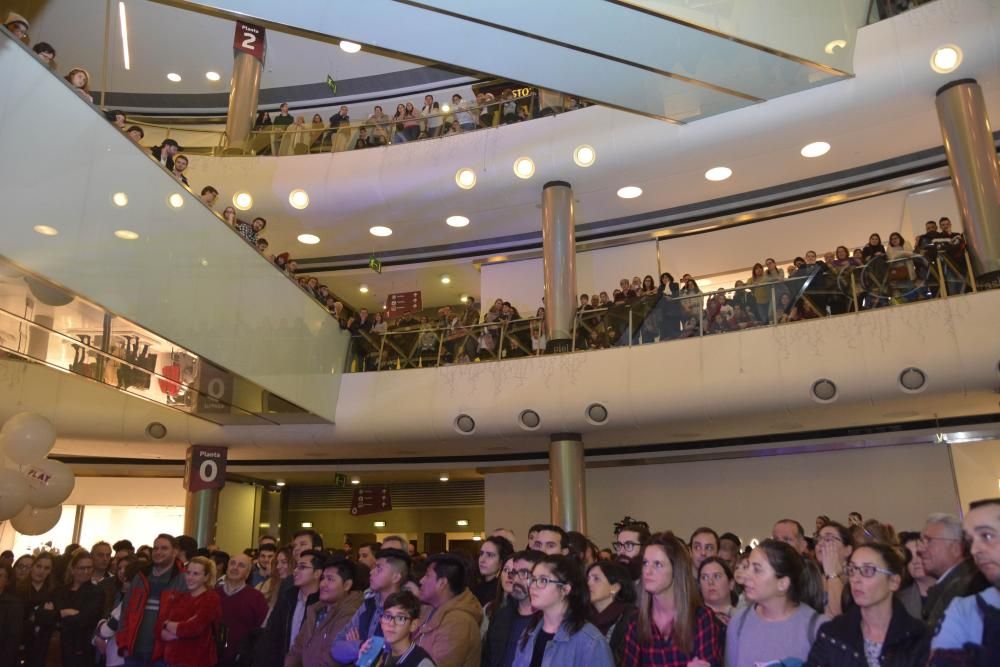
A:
(457, 221)
(834, 45)
(718, 173)
(465, 178)
(363, 289)
(307, 524)
(379, 524)
(280, 482)
(445, 108)
(242, 201)
(946, 59)
(462, 522)
(176, 200)
(126, 234)
(445, 279)
(815, 149)
(212, 76)
(443, 477)
(298, 198)
(630, 192)
(379, 230)
(349, 47)
(464, 298)
(477, 538)
(45, 230)
(355, 480)
(584, 155)
(308, 239)
(119, 199)
(174, 77)
(524, 167)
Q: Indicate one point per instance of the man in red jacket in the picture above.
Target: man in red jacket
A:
(164, 577)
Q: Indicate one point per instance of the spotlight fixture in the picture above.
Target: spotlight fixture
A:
(630, 192)
(307, 524)
(355, 480)
(176, 200)
(173, 76)
(584, 155)
(298, 198)
(349, 47)
(445, 279)
(477, 538)
(119, 199)
(242, 201)
(946, 59)
(308, 239)
(524, 167)
(443, 477)
(445, 108)
(379, 524)
(45, 230)
(457, 221)
(379, 230)
(718, 173)
(280, 482)
(465, 178)
(815, 149)
(126, 234)
(363, 289)
(212, 76)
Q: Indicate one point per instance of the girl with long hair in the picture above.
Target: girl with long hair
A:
(612, 602)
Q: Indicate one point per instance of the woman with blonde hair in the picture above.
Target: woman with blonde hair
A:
(188, 620)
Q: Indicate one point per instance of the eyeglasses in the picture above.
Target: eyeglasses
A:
(543, 582)
(866, 571)
(625, 546)
(830, 538)
(926, 539)
(396, 619)
(517, 574)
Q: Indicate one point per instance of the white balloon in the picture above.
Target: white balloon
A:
(13, 493)
(49, 483)
(35, 520)
(27, 438)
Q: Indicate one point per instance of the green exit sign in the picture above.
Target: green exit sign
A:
(340, 480)
(375, 264)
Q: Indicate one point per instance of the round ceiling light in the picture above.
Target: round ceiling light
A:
(834, 45)
(173, 76)
(212, 76)
(815, 149)
(119, 199)
(718, 173)
(524, 167)
(176, 200)
(824, 390)
(912, 380)
(465, 424)
(379, 230)
(126, 234)
(597, 413)
(308, 239)
(946, 59)
(465, 178)
(298, 198)
(445, 108)
(457, 221)
(45, 230)
(630, 192)
(584, 155)
(445, 279)
(363, 289)
(349, 47)
(242, 201)
(529, 420)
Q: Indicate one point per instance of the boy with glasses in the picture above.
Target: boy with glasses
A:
(398, 621)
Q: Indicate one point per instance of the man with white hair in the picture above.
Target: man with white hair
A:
(945, 555)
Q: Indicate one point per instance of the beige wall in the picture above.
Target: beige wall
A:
(333, 524)
(165, 491)
(900, 485)
(238, 508)
(977, 470)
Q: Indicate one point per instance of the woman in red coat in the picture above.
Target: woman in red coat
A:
(189, 620)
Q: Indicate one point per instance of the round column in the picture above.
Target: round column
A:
(567, 481)
(248, 63)
(201, 514)
(559, 259)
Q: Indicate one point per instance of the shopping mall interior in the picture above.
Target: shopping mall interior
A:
(144, 321)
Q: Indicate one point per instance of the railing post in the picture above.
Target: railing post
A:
(970, 272)
(630, 326)
(854, 292)
(440, 346)
(774, 306)
(381, 349)
(576, 320)
(701, 317)
(942, 283)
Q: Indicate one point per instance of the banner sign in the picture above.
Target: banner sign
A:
(402, 303)
(249, 38)
(371, 501)
(205, 468)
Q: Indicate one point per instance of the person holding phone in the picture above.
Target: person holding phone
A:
(398, 621)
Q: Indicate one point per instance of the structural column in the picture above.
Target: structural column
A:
(972, 158)
(204, 477)
(559, 258)
(248, 63)
(567, 481)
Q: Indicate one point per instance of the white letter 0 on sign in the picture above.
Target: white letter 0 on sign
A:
(216, 388)
(248, 39)
(208, 471)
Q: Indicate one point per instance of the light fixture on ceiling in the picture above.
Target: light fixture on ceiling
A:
(174, 76)
(126, 234)
(355, 480)
(379, 230)
(464, 298)
(630, 192)
(307, 524)
(835, 44)
(242, 201)
(445, 108)
(349, 47)
(280, 482)
(363, 289)
(126, 60)
(477, 538)
(298, 198)
(465, 178)
(946, 59)
(379, 524)
(445, 279)
(119, 199)
(308, 239)
(524, 167)
(584, 155)
(457, 221)
(45, 230)
(176, 200)
(212, 76)
(718, 173)
(443, 477)
(462, 522)
(815, 149)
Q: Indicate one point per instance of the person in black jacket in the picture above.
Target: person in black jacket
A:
(669, 312)
(79, 606)
(11, 618)
(877, 629)
(289, 611)
(40, 615)
(508, 621)
(612, 602)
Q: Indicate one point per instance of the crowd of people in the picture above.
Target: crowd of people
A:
(853, 594)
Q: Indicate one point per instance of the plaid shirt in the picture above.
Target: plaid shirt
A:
(661, 652)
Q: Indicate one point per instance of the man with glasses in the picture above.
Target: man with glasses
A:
(392, 567)
(970, 632)
(509, 622)
(630, 536)
(400, 620)
(289, 611)
(945, 555)
(338, 601)
(449, 628)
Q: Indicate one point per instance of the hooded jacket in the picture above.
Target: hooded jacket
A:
(314, 643)
(450, 633)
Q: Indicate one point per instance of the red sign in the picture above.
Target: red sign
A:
(249, 38)
(403, 303)
(371, 501)
(205, 468)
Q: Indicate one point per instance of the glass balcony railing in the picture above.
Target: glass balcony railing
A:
(814, 292)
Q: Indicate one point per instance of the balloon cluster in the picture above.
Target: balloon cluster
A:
(32, 487)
